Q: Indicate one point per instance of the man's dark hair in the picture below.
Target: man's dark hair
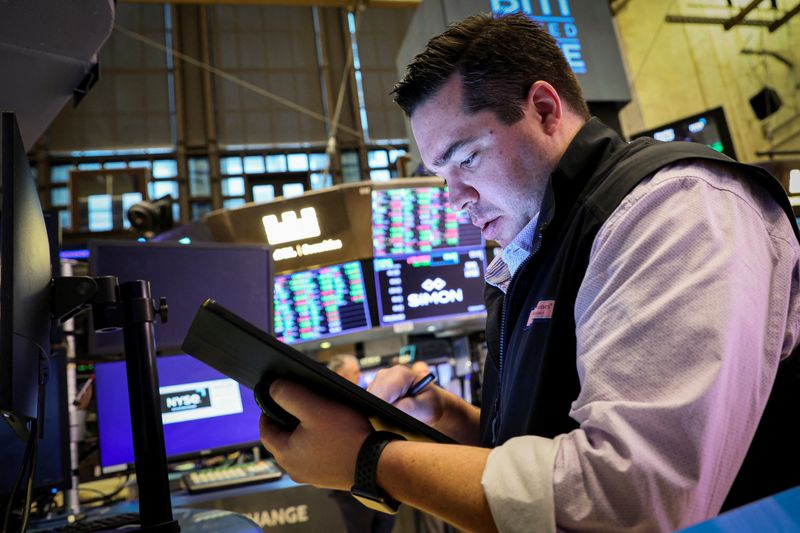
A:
(499, 59)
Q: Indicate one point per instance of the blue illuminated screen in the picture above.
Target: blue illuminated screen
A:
(201, 409)
(557, 18)
(236, 276)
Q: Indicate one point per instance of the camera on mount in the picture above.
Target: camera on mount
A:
(151, 218)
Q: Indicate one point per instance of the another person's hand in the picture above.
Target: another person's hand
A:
(392, 384)
(322, 450)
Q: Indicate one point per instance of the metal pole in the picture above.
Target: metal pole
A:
(155, 506)
(71, 499)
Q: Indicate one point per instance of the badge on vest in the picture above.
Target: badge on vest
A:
(543, 310)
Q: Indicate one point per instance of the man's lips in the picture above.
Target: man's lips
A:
(488, 228)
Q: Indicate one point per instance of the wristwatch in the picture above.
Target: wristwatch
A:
(365, 488)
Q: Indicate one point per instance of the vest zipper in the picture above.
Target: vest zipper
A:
(496, 421)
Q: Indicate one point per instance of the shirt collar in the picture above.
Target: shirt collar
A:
(505, 264)
(520, 248)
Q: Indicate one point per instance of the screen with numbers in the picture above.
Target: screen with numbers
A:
(318, 303)
(412, 220)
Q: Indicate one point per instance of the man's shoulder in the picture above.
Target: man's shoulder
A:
(717, 175)
(718, 185)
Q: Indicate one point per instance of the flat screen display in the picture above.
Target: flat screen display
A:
(429, 285)
(201, 409)
(319, 303)
(52, 463)
(411, 220)
(709, 128)
(237, 276)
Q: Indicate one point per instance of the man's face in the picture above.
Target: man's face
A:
(496, 172)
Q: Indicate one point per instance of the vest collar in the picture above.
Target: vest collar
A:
(584, 157)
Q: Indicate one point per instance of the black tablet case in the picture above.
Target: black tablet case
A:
(241, 351)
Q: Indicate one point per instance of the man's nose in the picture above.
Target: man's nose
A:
(461, 196)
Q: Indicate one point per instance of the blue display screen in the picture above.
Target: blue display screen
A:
(236, 276)
(557, 18)
(201, 409)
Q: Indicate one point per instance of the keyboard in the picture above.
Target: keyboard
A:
(100, 523)
(224, 477)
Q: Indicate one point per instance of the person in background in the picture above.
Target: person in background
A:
(347, 366)
(357, 518)
(643, 317)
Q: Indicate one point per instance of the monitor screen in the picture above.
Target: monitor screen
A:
(319, 303)
(202, 410)
(412, 220)
(709, 128)
(25, 273)
(237, 276)
(429, 286)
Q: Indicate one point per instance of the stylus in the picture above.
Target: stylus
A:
(417, 387)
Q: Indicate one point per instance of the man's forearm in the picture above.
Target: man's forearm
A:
(440, 479)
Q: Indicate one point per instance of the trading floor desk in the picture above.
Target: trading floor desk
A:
(284, 505)
(280, 505)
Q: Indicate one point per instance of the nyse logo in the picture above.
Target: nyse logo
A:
(184, 400)
(435, 294)
(291, 228)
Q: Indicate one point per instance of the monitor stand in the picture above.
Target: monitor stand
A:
(130, 306)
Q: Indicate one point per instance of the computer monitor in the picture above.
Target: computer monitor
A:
(709, 128)
(202, 410)
(413, 220)
(430, 286)
(237, 276)
(24, 283)
(319, 303)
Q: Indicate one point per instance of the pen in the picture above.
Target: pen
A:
(417, 387)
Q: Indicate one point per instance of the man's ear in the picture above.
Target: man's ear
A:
(545, 105)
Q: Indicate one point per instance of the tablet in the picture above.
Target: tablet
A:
(247, 354)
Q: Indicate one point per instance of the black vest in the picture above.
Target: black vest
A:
(530, 376)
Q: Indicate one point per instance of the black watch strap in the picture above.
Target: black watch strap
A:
(365, 486)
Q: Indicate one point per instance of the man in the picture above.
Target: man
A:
(644, 309)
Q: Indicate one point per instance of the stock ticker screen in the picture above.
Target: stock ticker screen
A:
(319, 303)
(413, 220)
(429, 285)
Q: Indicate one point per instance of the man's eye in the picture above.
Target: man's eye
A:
(466, 163)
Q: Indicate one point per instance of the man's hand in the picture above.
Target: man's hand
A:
(322, 450)
(392, 384)
(435, 406)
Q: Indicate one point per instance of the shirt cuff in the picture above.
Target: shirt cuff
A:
(518, 484)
